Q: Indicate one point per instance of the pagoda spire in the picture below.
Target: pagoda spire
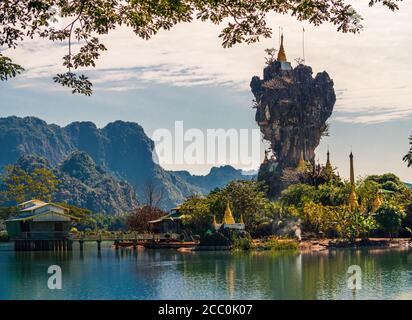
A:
(281, 53)
(352, 171)
(353, 202)
(228, 217)
(328, 165)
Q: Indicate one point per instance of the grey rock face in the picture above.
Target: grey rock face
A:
(84, 184)
(121, 148)
(292, 108)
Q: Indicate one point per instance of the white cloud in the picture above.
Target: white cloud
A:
(374, 116)
(370, 69)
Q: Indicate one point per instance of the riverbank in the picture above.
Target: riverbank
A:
(273, 243)
(314, 245)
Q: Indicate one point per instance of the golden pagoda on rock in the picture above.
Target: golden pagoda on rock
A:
(281, 53)
(284, 64)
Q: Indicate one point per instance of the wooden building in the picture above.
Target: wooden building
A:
(40, 226)
(170, 223)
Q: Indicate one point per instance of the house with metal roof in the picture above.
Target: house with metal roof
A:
(38, 220)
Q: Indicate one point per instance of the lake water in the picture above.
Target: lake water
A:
(168, 274)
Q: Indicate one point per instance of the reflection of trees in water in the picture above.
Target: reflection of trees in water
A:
(170, 274)
(276, 275)
(382, 270)
(270, 275)
(27, 272)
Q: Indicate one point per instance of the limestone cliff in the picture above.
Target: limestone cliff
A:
(292, 108)
(84, 184)
(121, 148)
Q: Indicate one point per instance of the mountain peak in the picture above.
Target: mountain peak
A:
(80, 150)
(80, 165)
(31, 162)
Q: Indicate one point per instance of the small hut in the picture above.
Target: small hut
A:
(170, 223)
(38, 222)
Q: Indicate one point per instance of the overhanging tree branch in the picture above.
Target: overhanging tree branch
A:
(246, 22)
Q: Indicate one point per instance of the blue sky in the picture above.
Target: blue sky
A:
(185, 74)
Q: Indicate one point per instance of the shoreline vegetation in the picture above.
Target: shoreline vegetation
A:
(322, 244)
(317, 206)
(286, 244)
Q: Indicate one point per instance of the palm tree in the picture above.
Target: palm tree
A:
(408, 157)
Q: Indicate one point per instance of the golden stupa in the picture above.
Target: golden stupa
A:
(228, 217)
(281, 53)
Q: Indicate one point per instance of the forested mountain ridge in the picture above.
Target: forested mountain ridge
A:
(120, 148)
(84, 184)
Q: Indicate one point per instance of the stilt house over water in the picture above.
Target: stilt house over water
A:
(38, 220)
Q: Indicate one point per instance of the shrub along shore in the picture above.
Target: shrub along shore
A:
(321, 244)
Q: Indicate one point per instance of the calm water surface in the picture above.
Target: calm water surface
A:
(168, 274)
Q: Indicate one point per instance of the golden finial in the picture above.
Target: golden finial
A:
(228, 217)
(281, 53)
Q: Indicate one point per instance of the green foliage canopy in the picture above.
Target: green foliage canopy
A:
(389, 217)
(338, 220)
(245, 198)
(325, 209)
(21, 185)
(388, 182)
